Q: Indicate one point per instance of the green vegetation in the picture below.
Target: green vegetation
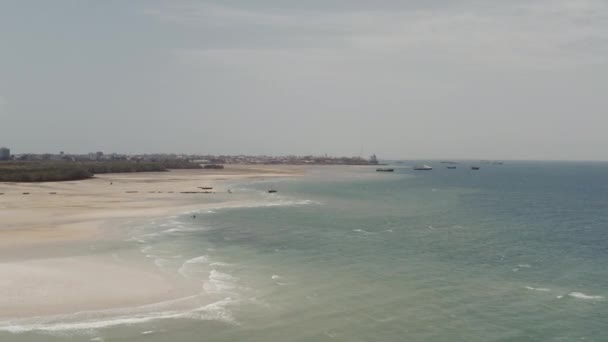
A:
(42, 171)
(52, 171)
(121, 166)
(96, 167)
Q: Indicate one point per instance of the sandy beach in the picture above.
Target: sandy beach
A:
(52, 236)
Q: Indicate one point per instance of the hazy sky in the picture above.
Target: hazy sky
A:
(517, 79)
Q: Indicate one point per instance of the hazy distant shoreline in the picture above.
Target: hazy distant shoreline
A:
(66, 167)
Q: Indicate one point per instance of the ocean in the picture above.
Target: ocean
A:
(513, 252)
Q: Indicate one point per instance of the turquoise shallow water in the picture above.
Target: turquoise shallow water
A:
(514, 252)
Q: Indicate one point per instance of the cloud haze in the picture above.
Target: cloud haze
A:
(434, 79)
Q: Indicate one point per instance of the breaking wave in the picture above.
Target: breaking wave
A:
(580, 295)
(89, 321)
(541, 289)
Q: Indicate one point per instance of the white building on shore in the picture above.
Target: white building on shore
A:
(5, 153)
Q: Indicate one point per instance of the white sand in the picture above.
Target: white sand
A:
(45, 266)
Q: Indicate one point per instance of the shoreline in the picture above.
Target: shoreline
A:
(50, 258)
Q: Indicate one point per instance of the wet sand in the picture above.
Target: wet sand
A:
(48, 261)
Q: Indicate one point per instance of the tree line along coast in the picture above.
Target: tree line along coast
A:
(63, 167)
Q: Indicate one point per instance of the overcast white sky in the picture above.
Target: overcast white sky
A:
(404, 79)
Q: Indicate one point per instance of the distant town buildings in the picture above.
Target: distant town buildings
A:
(5, 153)
(373, 159)
(212, 161)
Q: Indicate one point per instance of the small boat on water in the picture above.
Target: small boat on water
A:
(451, 167)
(475, 167)
(385, 170)
(422, 168)
(271, 191)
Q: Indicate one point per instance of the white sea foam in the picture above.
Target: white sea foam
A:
(146, 249)
(90, 321)
(180, 229)
(274, 203)
(216, 275)
(150, 235)
(217, 263)
(580, 295)
(135, 239)
(198, 260)
(184, 268)
(521, 266)
(285, 203)
(361, 231)
(219, 282)
(541, 289)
